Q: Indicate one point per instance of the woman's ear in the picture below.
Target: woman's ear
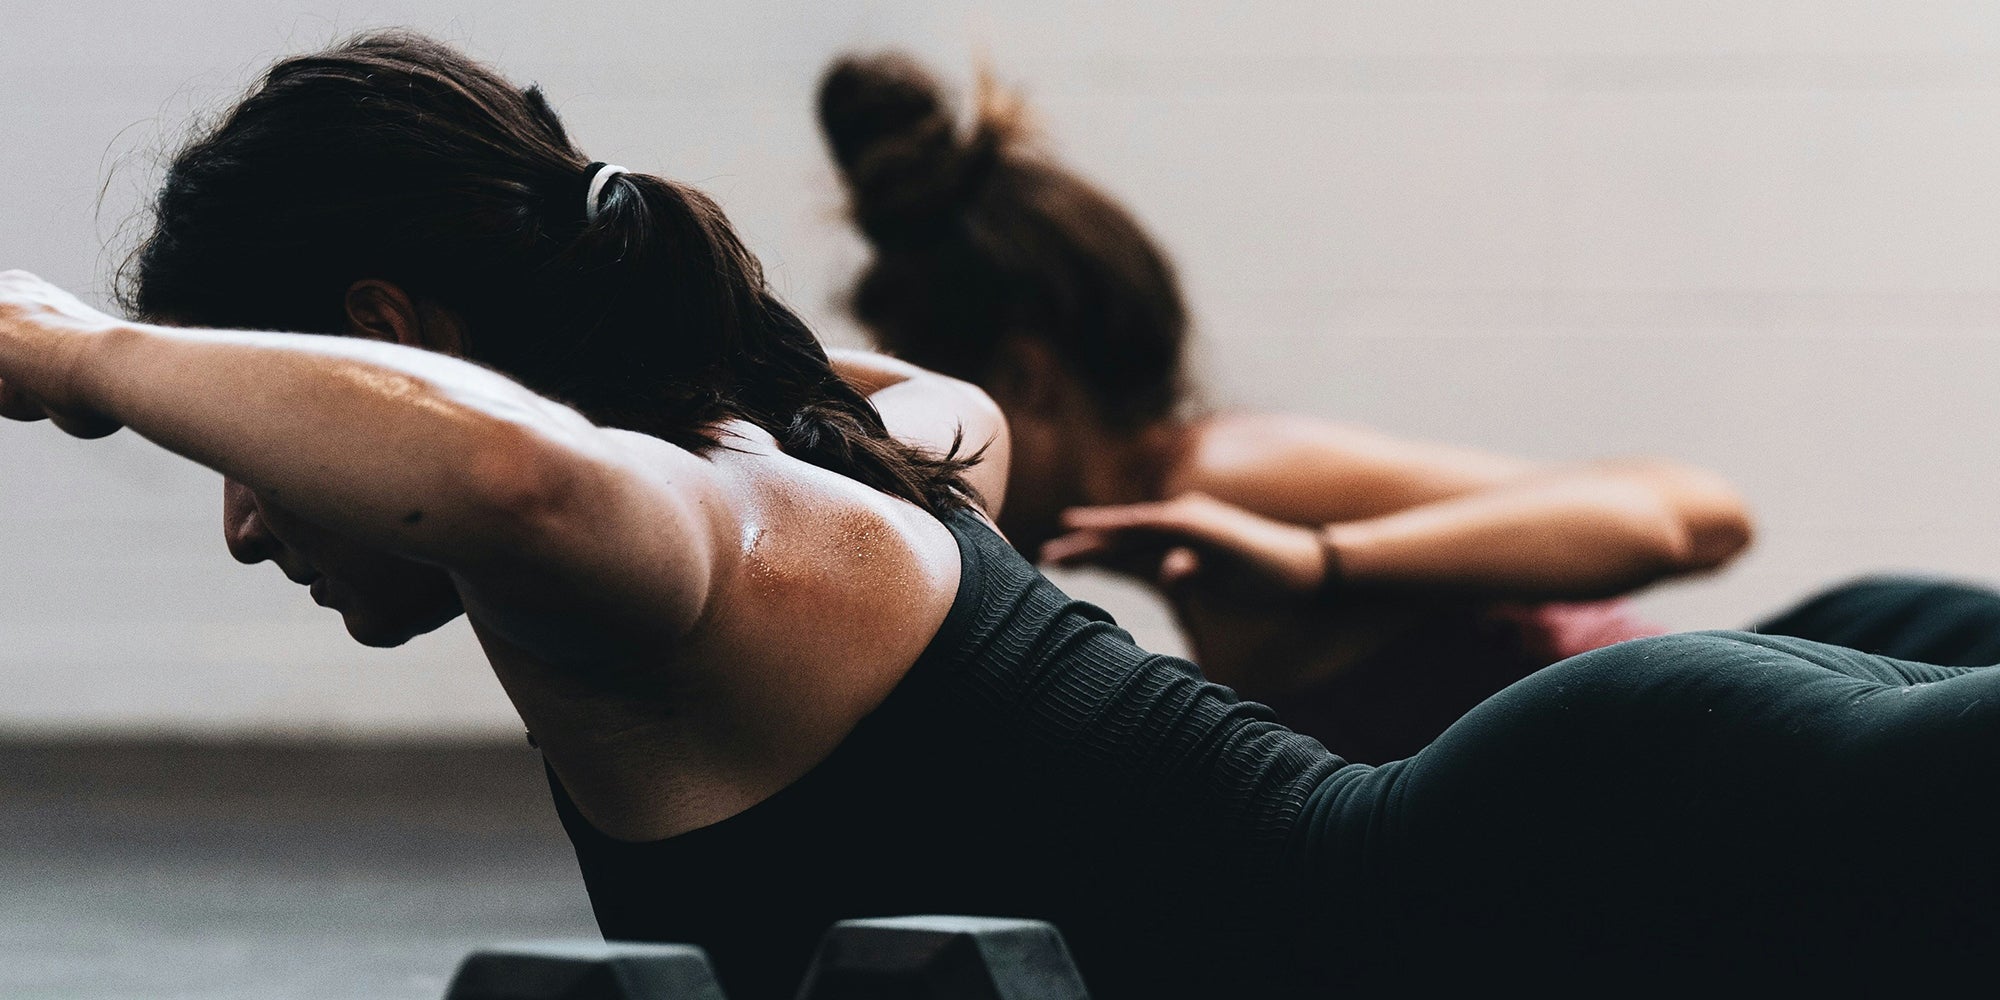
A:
(380, 310)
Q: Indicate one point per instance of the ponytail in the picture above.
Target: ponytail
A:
(393, 156)
(664, 261)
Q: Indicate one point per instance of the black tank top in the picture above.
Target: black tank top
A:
(1033, 763)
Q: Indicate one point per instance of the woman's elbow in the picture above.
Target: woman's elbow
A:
(1702, 523)
(1720, 526)
(1715, 523)
(1718, 539)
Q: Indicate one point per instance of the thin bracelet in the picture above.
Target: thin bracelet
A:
(1330, 575)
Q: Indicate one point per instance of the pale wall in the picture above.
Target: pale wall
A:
(1760, 236)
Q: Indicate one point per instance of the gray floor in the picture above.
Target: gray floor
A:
(166, 870)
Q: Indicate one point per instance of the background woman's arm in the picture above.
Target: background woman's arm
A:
(1585, 531)
(1420, 515)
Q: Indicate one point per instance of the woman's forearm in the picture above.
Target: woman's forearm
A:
(411, 450)
(1590, 532)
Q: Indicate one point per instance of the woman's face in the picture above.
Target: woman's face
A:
(385, 600)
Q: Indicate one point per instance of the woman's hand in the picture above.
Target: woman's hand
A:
(1194, 539)
(44, 332)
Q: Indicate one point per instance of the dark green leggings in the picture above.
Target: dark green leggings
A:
(1906, 617)
(1706, 809)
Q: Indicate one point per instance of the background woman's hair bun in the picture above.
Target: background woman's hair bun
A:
(907, 164)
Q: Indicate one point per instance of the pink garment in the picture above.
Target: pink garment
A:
(1559, 630)
(1395, 701)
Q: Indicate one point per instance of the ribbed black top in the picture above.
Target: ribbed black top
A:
(1034, 762)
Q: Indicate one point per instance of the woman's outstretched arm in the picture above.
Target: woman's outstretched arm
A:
(1385, 512)
(412, 451)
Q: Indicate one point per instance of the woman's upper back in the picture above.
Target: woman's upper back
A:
(821, 593)
(1032, 761)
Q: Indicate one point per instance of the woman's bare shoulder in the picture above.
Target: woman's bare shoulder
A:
(813, 545)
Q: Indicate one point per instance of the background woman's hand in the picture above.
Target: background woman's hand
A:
(43, 334)
(1193, 540)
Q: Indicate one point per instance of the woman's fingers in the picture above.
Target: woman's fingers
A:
(1180, 565)
(41, 323)
(1210, 530)
(18, 405)
(1075, 548)
(1193, 516)
(84, 425)
(1134, 553)
(42, 331)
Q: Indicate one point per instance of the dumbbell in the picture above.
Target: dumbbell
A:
(898, 958)
(942, 958)
(585, 970)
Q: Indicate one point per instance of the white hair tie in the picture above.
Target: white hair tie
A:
(600, 173)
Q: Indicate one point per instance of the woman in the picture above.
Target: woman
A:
(783, 672)
(1417, 578)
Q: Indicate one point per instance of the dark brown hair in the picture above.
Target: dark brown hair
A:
(978, 237)
(395, 157)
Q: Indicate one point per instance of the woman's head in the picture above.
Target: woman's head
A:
(395, 162)
(996, 265)
(979, 239)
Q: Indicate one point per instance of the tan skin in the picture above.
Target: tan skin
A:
(1234, 518)
(685, 634)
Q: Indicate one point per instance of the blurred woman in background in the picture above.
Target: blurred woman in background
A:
(1416, 578)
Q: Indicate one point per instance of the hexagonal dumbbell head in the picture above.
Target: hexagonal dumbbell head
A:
(942, 958)
(585, 970)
